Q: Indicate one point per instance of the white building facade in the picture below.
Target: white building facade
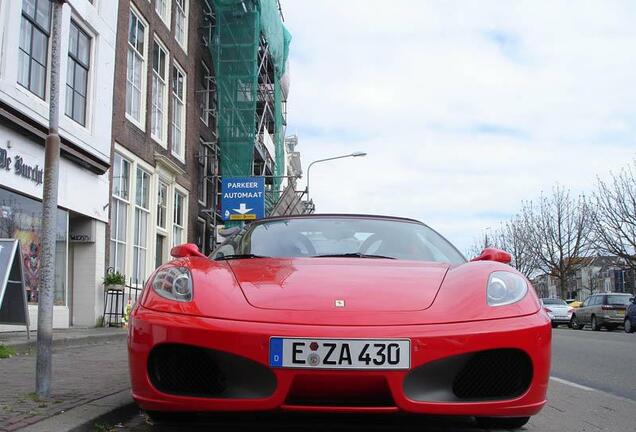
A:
(86, 99)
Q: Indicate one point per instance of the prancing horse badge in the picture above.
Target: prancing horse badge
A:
(340, 303)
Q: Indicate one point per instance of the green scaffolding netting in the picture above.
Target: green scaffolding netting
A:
(239, 25)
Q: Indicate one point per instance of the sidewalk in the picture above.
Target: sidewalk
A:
(90, 369)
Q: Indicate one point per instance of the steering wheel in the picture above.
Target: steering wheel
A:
(364, 247)
(305, 242)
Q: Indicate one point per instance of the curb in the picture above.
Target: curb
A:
(28, 347)
(84, 417)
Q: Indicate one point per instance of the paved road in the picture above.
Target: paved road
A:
(593, 389)
(602, 360)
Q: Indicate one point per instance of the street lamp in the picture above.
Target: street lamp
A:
(354, 154)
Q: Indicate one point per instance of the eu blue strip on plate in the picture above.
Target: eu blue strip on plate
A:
(276, 352)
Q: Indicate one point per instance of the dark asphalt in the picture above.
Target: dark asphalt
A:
(601, 360)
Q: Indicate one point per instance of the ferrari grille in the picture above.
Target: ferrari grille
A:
(498, 374)
(187, 370)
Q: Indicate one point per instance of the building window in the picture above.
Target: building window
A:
(202, 173)
(142, 212)
(162, 205)
(119, 213)
(178, 221)
(21, 219)
(79, 47)
(159, 117)
(162, 7)
(181, 23)
(204, 94)
(135, 68)
(33, 54)
(178, 112)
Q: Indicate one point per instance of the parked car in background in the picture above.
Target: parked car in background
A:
(601, 310)
(630, 316)
(558, 311)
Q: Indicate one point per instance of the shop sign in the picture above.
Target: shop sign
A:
(20, 168)
(13, 299)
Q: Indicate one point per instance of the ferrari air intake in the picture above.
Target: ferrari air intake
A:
(186, 370)
(491, 375)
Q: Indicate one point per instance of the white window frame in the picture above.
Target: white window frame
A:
(178, 12)
(175, 99)
(168, 16)
(163, 139)
(89, 76)
(163, 229)
(184, 227)
(141, 122)
(120, 200)
(142, 266)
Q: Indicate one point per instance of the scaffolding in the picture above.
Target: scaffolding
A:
(250, 48)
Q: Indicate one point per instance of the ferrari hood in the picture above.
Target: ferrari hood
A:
(326, 284)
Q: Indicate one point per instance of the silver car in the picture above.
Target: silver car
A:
(558, 311)
(602, 310)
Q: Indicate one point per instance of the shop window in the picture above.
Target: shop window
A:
(79, 47)
(33, 50)
(21, 219)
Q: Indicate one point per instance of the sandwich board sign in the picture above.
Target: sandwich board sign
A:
(242, 198)
(13, 299)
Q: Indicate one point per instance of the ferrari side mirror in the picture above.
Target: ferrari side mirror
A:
(186, 250)
(493, 254)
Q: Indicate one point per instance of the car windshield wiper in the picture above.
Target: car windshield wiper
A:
(352, 255)
(239, 256)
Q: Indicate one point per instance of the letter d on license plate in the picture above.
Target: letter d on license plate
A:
(340, 353)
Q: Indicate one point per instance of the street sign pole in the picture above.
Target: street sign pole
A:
(49, 217)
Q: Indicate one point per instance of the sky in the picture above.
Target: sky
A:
(465, 108)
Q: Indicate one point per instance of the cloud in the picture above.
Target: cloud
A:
(464, 108)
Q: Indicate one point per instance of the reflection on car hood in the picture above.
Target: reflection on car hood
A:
(362, 284)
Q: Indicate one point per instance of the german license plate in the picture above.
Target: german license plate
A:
(340, 353)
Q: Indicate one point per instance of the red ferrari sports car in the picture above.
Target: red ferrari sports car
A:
(340, 313)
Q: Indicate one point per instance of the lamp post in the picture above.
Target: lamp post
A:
(354, 154)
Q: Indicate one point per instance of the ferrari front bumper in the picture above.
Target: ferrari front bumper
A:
(280, 388)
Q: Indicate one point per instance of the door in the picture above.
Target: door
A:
(583, 313)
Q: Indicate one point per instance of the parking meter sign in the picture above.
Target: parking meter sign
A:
(242, 198)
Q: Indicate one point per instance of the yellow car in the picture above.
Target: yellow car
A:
(574, 303)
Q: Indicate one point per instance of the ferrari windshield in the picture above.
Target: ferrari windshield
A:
(353, 237)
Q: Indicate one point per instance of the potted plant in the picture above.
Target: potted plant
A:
(114, 280)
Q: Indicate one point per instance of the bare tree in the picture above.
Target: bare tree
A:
(560, 231)
(615, 215)
(486, 240)
(514, 237)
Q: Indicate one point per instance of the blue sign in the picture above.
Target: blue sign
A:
(243, 198)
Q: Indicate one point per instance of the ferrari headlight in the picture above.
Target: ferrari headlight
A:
(174, 283)
(505, 288)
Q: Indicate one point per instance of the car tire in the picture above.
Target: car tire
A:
(575, 324)
(595, 325)
(501, 422)
(629, 328)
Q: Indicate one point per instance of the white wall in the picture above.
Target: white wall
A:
(80, 190)
(88, 269)
(101, 23)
